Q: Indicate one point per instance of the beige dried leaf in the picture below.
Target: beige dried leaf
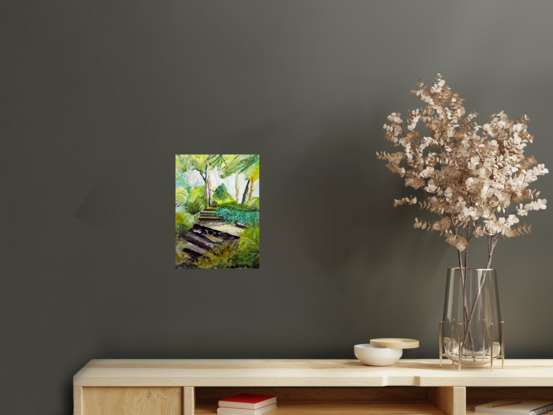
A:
(475, 176)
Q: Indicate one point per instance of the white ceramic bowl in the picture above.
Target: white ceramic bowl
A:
(376, 356)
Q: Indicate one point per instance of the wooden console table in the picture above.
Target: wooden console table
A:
(188, 387)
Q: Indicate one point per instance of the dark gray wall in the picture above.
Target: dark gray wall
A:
(97, 97)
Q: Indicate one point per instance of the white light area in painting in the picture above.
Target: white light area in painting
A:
(229, 182)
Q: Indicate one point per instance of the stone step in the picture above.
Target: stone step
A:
(218, 230)
(216, 219)
(222, 230)
(193, 250)
(199, 240)
(204, 234)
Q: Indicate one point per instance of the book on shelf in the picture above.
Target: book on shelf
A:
(515, 407)
(247, 401)
(247, 404)
(242, 411)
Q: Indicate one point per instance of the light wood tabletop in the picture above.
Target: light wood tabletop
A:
(308, 373)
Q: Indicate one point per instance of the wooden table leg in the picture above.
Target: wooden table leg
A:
(77, 400)
(189, 400)
(450, 400)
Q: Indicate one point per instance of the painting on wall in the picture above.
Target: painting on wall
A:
(216, 211)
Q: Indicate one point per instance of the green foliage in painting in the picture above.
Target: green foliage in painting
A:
(221, 195)
(195, 202)
(216, 160)
(247, 254)
(234, 212)
(243, 163)
(227, 256)
(249, 240)
(197, 194)
(183, 222)
(181, 196)
(185, 162)
(179, 255)
(180, 181)
(195, 206)
(220, 257)
(253, 203)
(243, 208)
(180, 228)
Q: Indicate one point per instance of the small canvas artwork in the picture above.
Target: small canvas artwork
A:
(216, 211)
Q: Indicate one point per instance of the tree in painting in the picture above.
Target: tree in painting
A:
(216, 211)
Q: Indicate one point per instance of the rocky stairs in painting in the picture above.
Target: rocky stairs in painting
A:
(210, 215)
(208, 233)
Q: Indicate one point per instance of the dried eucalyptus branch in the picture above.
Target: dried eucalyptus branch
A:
(470, 174)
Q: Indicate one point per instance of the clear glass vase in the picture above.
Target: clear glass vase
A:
(472, 330)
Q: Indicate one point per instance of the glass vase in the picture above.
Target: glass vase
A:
(471, 332)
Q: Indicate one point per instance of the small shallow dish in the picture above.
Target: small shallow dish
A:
(376, 356)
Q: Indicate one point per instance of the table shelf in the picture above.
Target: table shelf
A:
(332, 408)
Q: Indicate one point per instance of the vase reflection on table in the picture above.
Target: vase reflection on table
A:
(472, 332)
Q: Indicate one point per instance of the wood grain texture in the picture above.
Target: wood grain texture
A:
(132, 401)
(77, 400)
(392, 343)
(450, 400)
(298, 373)
(188, 400)
(482, 395)
(304, 395)
(420, 408)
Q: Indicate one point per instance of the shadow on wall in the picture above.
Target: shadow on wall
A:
(347, 228)
(343, 200)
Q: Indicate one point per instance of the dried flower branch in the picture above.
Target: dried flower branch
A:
(475, 178)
